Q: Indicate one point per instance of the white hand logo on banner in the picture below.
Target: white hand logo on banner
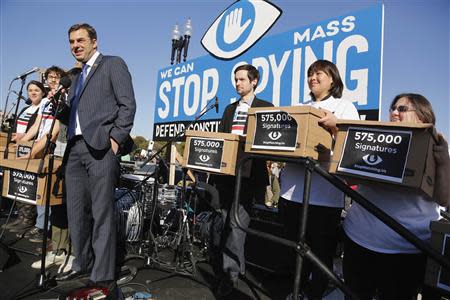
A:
(239, 27)
(233, 29)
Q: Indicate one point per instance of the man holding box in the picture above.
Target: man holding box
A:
(234, 120)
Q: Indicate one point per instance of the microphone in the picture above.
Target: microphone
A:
(217, 105)
(31, 71)
(64, 83)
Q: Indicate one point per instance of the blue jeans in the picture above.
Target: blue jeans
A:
(41, 215)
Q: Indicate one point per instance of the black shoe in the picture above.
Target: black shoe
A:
(71, 275)
(26, 234)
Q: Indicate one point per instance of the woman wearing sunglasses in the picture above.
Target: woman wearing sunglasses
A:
(376, 259)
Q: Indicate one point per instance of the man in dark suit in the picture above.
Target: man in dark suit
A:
(102, 108)
(234, 120)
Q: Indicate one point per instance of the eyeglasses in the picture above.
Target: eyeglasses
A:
(400, 108)
(53, 77)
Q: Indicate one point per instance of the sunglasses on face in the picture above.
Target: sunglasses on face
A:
(400, 108)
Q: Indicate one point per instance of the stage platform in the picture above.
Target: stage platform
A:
(266, 277)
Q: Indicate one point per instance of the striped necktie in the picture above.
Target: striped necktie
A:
(74, 104)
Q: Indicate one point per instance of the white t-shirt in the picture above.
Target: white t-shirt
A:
(292, 176)
(24, 118)
(406, 206)
(45, 110)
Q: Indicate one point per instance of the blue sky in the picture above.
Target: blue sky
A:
(34, 33)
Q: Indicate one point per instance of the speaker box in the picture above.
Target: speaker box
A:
(264, 253)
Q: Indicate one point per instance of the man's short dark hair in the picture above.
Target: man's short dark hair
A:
(55, 69)
(91, 30)
(252, 73)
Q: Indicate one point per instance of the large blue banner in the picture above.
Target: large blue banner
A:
(354, 42)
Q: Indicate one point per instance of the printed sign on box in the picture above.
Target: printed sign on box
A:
(22, 150)
(376, 153)
(22, 185)
(275, 130)
(205, 154)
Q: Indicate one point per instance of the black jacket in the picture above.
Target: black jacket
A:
(259, 178)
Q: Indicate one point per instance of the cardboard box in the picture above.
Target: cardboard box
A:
(17, 149)
(288, 131)
(3, 140)
(11, 151)
(212, 151)
(436, 275)
(21, 181)
(389, 152)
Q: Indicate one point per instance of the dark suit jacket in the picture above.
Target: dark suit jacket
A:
(107, 104)
(259, 177)
(228, 114)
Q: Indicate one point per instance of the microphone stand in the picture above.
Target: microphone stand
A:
(6, 103)
(48, 149)
(156, 172)
(11, 127)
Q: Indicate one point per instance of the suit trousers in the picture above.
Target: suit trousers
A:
(91, 177)
(233, 237)
(233, 257)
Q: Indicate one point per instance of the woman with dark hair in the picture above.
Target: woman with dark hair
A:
(326, 201)
(38, 132)
(25, 120)
(377, 259)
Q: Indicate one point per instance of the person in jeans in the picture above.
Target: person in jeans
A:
(26, 119)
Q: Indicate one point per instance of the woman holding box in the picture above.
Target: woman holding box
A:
(377, 259)
(326, 201)
(27, 117)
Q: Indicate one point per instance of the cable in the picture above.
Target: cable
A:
(137, 284)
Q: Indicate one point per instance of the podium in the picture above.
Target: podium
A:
(21, 181)
(212, 151)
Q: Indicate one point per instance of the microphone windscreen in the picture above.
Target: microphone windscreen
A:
(65, 82)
